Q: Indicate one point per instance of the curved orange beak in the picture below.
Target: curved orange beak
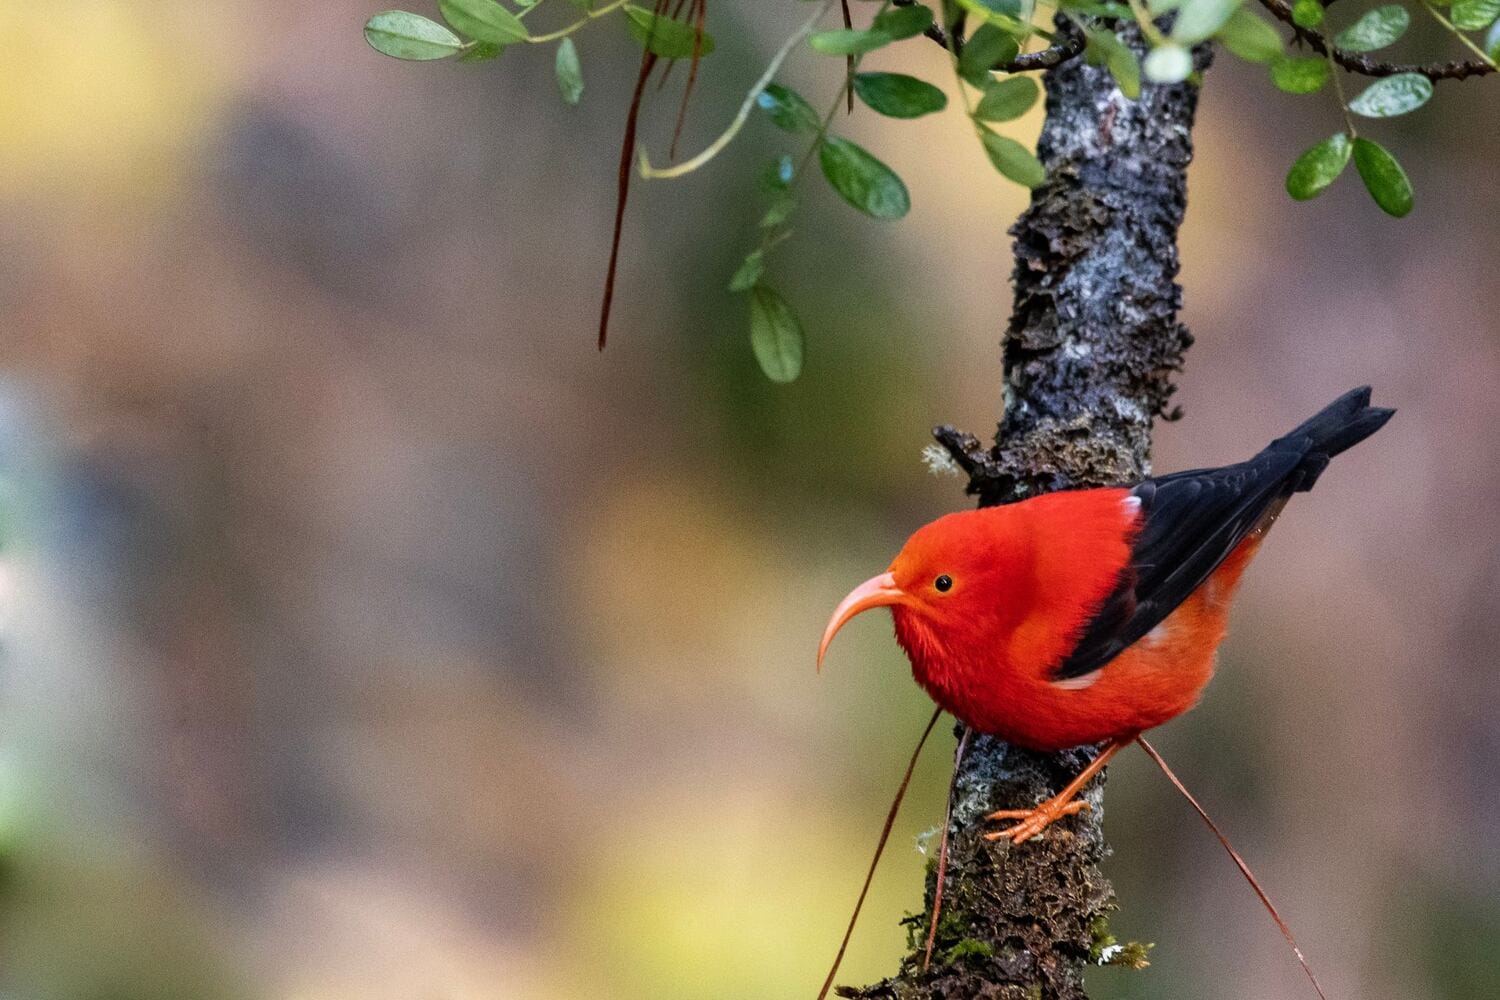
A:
(876, 592)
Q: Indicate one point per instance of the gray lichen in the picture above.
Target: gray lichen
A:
(1090, 351)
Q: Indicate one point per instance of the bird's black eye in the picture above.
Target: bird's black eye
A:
(943, 583)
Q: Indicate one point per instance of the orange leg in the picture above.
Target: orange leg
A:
(1064, 803)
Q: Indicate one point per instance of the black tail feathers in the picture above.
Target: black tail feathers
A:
(1340, 425)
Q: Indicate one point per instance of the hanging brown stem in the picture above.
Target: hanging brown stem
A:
(1286, 931)
(885, 834)
(942, 867)
(849, 59)
(622, 190)
(700, 8)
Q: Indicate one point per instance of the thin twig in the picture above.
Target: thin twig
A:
(933, 31)
(849, 59)
(622, 191)
(1365, 66)
(743, 115)
(942, 867)
(885, 834)
(701, 7)
(1464, 39)
(1069, 46)
(1286, 931)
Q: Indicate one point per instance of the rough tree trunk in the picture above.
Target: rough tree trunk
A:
(1089, 355)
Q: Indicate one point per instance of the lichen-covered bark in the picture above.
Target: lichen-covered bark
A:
(1090, 352)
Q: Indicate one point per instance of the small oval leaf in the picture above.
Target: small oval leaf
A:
(989, 9)
(1106, 48)
(1375, 30)
(401, 35)
(1012, 159)
(1167, 64)
(988, 47)
(1307, 13)
(1474, 15)
(865, 182)
(1251, 37)
(1006, 100)
(1318, 167)
(897, 95)
(775, 335)
(1300, 75)
(788, 109)
(1393, 95)
(848, 41)
(1200, 19)
(1383, 177)
(665, 37)
(485, 20)
(903, 22)
(747, 275)
(569, 72)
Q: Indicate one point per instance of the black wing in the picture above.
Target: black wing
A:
(1192, 521)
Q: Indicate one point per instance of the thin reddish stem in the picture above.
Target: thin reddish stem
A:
(1265, 900)
(885, 834)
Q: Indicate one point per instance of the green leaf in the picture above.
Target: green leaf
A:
(1199, 19)
(1168, 64)
(789, 111)
(1012, 159)
(1383, 177)
(903, 22)
(1474, 15)
(775, 335)
(1318, 167)
(485, 20)
(1106, 9)
(1393, 95)
(1105, 47)
(569, 72)
(1307, 13)
(481, 52)
(1007, 99)
(1492, 42)
(987, 47)
(665, 37)
(749, 271)
(1251, 37)
(848, 41)
(865, 182)
(780, 210)
(401, 35)
(1375, 30)
(992, 8)
(778, 174)
(898, 95)
(1300, 75)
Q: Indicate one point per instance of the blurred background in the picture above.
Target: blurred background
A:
(368, 635)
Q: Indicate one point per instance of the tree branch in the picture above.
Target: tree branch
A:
(1362, 64)
(1069, 45)
(1092, 344)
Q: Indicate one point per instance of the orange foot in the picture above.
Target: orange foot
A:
(1034, 821)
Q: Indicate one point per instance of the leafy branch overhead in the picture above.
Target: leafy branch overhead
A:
(993, 46)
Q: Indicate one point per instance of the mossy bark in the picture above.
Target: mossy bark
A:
(1090, 352)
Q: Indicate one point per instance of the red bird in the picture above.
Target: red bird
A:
(1092, 615)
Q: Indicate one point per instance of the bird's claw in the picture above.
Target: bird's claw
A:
(1033, 821)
